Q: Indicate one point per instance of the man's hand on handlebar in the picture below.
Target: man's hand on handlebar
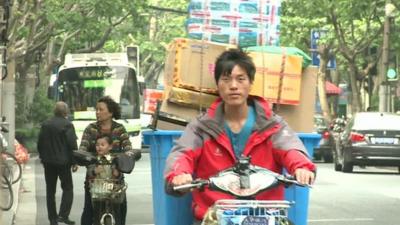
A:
(304, 176)
(181, 180)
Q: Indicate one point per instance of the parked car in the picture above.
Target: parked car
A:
(369, 139)
(325, 149)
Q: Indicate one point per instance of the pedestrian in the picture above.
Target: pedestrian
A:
(105, 170)
(106, 110)
(235, 125)
(56, 142)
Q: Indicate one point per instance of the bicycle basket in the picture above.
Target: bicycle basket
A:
(249, 212)
(107, 189)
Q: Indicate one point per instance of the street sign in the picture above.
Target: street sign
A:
(316, 34)
(316, 61)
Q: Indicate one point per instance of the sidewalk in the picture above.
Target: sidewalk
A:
(24, 210)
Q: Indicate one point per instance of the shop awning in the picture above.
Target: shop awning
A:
(332, 89)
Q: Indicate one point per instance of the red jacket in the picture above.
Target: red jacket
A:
(204, 149)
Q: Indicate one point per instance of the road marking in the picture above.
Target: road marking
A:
(339, 220)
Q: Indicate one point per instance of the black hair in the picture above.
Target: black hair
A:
(107, 137)
(229, 59)
(112, 106)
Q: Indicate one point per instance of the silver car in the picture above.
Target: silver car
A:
(369, 139)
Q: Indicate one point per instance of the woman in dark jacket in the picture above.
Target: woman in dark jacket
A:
(106, 110)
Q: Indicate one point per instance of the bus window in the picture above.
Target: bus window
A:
(81, 87)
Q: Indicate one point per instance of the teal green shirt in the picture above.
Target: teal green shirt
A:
(239, 140)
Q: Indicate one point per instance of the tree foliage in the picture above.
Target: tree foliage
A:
(41, 32)
(354, 28)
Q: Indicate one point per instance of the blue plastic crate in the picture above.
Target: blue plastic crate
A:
(170, 210)
(298, 213)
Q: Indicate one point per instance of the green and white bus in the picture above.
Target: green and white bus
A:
(84, 78)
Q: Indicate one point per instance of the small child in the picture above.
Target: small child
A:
(104, 169)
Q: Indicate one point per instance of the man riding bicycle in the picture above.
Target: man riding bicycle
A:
(236, 124)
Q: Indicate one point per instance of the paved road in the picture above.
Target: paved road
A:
(139, 194)
(367, 197)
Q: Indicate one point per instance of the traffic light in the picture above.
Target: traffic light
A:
(392, 72)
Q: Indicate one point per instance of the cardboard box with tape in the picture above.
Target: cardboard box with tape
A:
(278, 77)
(190, 64)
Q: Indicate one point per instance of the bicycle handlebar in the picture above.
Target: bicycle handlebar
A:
(287, 180)
(195, 184)
(242, 180)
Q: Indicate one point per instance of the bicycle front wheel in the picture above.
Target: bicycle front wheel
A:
(6, 195)
(13, 165)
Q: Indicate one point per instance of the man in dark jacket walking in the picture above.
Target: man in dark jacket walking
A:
(57, 140)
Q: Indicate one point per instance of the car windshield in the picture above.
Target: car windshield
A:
(376, 121)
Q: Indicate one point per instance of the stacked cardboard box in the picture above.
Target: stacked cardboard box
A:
(239, 22)
(299, 117)
(189, 85)
(190, 66)
(189, 72)
(278, 77)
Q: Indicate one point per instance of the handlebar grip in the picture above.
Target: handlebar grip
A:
(194, 184)
(289, 180)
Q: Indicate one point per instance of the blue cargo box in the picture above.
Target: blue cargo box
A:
(169, 210)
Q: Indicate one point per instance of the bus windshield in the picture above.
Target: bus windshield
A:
(81, 87)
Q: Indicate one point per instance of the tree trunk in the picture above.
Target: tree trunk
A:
(28, 93)
(335, 76)
(323, 51)
(321, 78)
(356, 100)
(8, 97)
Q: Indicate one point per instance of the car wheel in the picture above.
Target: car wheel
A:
(337, 165)
(317, 157)
(347, 165)
(328, 158)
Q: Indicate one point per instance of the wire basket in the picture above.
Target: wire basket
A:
(107, 189)
(248, 212)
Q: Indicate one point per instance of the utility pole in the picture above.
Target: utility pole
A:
(4, 15)
(7, 91)
(384, 89)
(8, 103)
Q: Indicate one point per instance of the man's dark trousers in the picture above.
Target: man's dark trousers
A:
(52, 173)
